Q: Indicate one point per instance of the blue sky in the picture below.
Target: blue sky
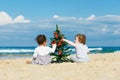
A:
(21, 21)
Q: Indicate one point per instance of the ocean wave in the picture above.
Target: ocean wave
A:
(118, 51)
(15, 50)
(32, 50)
(91, 49)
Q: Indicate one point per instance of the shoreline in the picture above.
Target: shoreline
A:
(100, 67)
(23, 56)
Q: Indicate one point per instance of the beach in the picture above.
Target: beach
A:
(101, 67)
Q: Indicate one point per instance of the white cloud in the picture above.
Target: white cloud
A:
(116, 29)
(117, 32)
(56, 17)
(6, 19)
(92, 17)
(108, 18)
(98, 24)
(97, 28)
(60, 18)
(104, 29)
(20, 19)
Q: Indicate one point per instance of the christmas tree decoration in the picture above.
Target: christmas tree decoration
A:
(62, 50)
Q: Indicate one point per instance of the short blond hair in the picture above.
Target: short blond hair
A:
(81, 38)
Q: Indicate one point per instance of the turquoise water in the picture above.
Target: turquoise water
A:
(27, 52)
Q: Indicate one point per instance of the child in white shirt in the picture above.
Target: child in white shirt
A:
(80, 48)
(41, 53)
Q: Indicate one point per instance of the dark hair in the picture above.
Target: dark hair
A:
(40, 39)
(81, 38)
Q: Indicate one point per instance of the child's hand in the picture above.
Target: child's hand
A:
(53, 42)
(62, 39)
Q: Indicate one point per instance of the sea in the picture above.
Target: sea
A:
(27, 52)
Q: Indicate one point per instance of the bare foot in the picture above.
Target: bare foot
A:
(28, 62)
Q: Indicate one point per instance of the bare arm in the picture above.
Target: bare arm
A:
(52, 50)
(69, 42)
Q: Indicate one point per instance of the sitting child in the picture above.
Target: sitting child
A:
(41, 53)
(80, 47)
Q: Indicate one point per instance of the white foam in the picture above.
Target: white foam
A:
(15, 50)
(91, 49)
(117, 51)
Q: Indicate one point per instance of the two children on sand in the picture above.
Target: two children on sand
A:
(41, 53)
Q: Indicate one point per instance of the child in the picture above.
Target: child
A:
(80, 47)
(41, 53)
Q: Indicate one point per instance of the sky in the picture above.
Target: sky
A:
(22, 20)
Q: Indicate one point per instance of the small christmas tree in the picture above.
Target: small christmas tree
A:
(62, 50)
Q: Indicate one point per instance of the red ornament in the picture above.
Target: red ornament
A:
(59, 52)
(59, 43)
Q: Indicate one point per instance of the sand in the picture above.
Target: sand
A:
(100, 67)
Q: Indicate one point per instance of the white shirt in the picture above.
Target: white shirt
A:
(44, 50)
(81, 50)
